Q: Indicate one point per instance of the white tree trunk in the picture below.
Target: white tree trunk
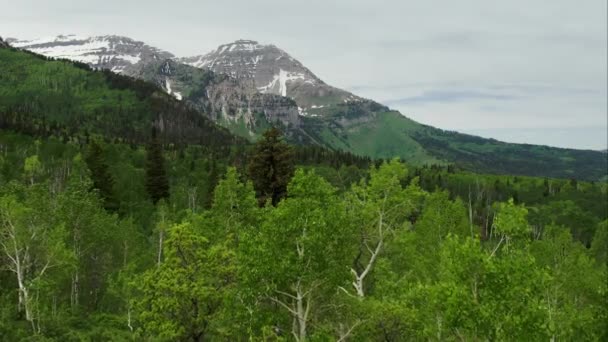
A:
(301, 315)
(160, 247)
(299, 307)
(24, 298)
(360, 277)
(161, 235)
(21, 263)
(75, 290)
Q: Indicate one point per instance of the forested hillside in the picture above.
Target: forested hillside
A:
(351, 253)
(126, 216)
(47, 97)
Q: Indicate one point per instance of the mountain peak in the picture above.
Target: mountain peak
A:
(273, 70)
(102, 52)
(244, 42)
(241, 45)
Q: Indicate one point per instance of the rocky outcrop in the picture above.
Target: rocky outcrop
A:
(219, 96)
(273, 71)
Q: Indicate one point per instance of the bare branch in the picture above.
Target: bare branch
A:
(344, 336)
(286, 294)
(291, 310)
(346, 291)
(497, 246)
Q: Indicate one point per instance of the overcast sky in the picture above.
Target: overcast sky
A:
(520, 71)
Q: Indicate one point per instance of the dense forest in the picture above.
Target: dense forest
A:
(127, 216)
(111, 241)
(44, 97)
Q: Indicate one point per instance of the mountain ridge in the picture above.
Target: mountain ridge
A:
(111, 52)
(273, 71)
(264, 85)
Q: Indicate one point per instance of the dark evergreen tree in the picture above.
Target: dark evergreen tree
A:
(271, 166)
(157, 183)
(212, 179)
(102, 179)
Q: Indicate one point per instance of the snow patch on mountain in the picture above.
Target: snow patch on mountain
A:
(86, 52)
(129, 58)
(47, 40)
(115, 53)
(169, 91)
(273, 71)
(281, 78)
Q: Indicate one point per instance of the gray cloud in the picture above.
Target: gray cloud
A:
(447, 96)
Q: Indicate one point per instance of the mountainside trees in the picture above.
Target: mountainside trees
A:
(44, 97)
(271, 166)
(386, 253)
(102, 180)
(157, 183)
(33, 248)
(298, 256)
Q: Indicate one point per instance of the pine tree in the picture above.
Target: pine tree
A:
(271, 166)
(157, 184)
(102, 179)
(212, 180)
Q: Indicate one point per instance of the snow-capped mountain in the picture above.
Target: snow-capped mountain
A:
(273, 70)
(242, 82)
(115, 53)
(223, 98)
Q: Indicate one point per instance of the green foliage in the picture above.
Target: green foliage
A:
(181, 297)
(599, 246)
(102, 180)
(271, 166)
(297, 257)
(157, 183)
(380, 133)
(419, 249)
(32, 167)
(581, 223)
(34, 248)
(234, 205)
(574, 294)
(380, 208)
(456, 259)
(65, 99)
(511, 222)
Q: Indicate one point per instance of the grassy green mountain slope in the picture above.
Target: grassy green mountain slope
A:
(387, 134)
(380, 135)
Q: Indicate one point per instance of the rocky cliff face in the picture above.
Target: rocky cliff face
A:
(219, 96)
(115, 53)
(273, 71)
